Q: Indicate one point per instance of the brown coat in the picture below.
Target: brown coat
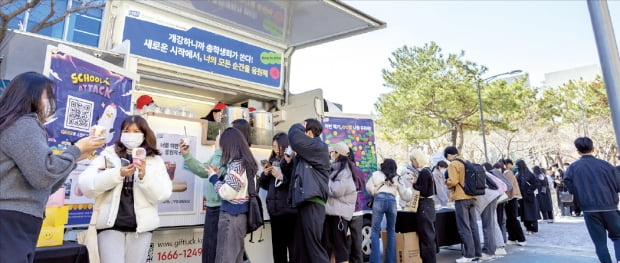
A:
(515, 192)
(456, 180)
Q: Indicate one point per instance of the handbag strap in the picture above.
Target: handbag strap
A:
(93, 217)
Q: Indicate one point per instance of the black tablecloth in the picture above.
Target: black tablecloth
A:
(69, 252)
(445, 226)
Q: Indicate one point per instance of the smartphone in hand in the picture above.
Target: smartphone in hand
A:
(125, 162)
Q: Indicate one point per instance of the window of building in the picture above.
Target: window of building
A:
(82, 27)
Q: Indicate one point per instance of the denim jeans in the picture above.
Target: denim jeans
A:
(599, 224)
(384, 204)
(209, 236)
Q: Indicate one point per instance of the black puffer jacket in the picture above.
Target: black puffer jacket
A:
(277, 196)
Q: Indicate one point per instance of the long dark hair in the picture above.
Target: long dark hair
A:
(244, 127)
(23, 96)
(282, 140)
(343, 161)
(522, 167)
(388, 167)
(149, 143)
(235, 148)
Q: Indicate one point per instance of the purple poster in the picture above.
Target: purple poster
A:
(86, 95)
(359, 135)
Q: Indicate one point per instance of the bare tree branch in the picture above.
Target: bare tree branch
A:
(5, 18)
(85, 6)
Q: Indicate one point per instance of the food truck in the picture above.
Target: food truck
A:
(187, 56)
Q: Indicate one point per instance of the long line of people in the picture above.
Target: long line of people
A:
(319, 200)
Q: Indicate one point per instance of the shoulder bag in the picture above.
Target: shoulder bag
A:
(255, 210)
(372, 198)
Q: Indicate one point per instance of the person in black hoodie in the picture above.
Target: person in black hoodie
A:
(281, 215)
(597, 184)
(308, 190)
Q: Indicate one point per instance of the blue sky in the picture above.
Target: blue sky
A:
(535, 36)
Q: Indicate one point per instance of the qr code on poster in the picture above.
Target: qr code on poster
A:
(78, 113)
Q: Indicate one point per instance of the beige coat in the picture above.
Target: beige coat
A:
(515, 192)
(456, 180)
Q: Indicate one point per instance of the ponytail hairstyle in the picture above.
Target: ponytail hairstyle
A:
(388, 167)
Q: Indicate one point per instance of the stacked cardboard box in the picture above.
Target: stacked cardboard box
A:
(407, 247)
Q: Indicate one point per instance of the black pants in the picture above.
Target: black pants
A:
(335, 237)
(426, 230)
(600, 225)
(355, 227)
(307, 245)
(501, 219)
(209, 236)
(531, 225)
(547, 215)
(281, 236)
(513, 227)
(19, 233)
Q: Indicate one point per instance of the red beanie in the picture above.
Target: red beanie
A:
(143, 101)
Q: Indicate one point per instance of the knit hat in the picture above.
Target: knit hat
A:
(450, 150)
(143, 101)
(340, 148)
(219, 106)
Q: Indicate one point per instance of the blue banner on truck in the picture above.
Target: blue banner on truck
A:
(203, 50)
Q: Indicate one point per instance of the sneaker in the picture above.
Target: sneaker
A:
(500, 251)
(486, 257)
(511, 242)
(464, 259)
(521, 243)
(528, 232)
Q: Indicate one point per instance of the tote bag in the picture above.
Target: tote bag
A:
(88, 237)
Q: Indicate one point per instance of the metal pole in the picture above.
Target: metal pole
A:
(608, 55)
(484, 138)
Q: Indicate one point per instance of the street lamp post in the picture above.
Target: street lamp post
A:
(484, 138)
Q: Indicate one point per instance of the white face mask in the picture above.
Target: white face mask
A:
(132, 140)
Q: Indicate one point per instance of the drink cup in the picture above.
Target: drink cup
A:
(97, 131)
(138, 155)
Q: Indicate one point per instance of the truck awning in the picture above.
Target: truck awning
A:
(285, 23)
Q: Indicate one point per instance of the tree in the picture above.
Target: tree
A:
(433, 95)
(583, 106)
(10, 9)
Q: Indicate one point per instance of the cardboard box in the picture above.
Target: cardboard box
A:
(51, 236)
(56, 216)
(407, 247)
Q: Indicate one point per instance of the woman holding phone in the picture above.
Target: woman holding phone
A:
(275, 180)
(29, 171)
(232, 187)
(127, 195)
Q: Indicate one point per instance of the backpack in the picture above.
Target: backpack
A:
(475, 178)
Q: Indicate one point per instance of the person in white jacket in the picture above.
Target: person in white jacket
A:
(384, 188)
(127, 194)
(340, 204)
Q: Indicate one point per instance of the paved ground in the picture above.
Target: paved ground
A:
(565, 241)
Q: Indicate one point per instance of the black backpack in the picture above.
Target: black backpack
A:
(475, 178)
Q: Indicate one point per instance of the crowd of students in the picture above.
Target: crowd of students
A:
(312, 198)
